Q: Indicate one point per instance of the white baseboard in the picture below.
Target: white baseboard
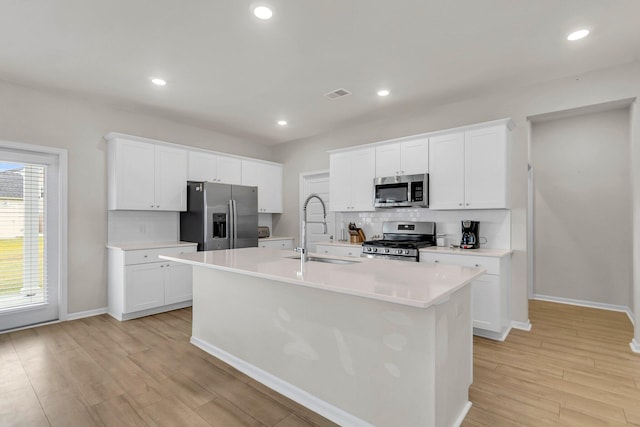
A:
(289, 390)
(590, 304)
(523, 326)
(497, 336)
(463, 414)
(88, 313)
(635, 346)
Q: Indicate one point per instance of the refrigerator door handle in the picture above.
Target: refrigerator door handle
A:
(235, 223)
(231, 226)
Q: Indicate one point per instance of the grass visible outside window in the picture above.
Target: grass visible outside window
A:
(12, 265)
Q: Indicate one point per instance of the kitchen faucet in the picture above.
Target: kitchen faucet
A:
(303, 228)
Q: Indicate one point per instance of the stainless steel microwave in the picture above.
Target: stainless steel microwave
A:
(401, 191)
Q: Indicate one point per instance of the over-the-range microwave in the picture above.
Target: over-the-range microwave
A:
(401, 191)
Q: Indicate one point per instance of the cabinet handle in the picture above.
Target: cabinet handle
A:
(326, 252)
(151, 205)
(402, 172)
(436, 261)
(467, 204)
(459, 204)
(477, 265)
(146, 256)
(161, 265)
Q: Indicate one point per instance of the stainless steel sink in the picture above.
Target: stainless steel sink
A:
(327, 260)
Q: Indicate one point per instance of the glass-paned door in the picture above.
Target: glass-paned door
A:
(27, 295)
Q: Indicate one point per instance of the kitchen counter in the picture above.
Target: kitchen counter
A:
(273, 238)
(148, 245)
(471, 252)
(415, 284)
(372, 343)
(345, 244)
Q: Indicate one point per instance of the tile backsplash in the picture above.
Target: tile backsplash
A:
(495, 224)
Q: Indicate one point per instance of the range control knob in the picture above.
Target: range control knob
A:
(367, 249)
(406, 251)
(399, 251)
(375, 249)
(386, 251)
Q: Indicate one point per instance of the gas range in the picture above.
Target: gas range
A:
(401, 241)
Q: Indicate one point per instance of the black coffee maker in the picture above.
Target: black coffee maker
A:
(470, 238)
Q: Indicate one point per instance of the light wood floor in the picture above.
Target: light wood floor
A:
(573, 368)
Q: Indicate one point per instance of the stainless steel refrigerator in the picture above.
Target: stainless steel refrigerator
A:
(220, 216)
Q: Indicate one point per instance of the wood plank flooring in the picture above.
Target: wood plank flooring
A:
(574, 368)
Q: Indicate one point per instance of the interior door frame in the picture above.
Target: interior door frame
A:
(61, 155)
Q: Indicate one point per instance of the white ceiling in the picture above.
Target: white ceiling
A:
(227, 70)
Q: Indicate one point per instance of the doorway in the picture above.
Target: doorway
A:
(580, 207)
(32, 243)
(316, 183)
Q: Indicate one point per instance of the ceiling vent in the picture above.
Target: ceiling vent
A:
(338, 93)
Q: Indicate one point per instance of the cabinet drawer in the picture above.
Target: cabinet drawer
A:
(491, 264)
(276, 244)
(355, 251)
(142, 256)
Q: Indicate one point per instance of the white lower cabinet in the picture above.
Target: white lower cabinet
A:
(276, 244)
(489, 293)
(140, 283)
(339, 250)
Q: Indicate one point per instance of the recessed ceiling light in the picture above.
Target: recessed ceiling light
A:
(282, 122)
(158, 82)
(383, 92)
(263, 12)
(577, 35)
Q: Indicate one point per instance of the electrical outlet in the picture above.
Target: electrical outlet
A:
(142, 228)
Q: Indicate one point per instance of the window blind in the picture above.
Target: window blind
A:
(22, 230)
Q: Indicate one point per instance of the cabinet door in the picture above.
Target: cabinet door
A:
(340, 181)
(178, 282)
(388, 160)
(486, 303)
(363, 170)
(486, 166)
(446, 171)
(268, 179)
(414, 156)
(171, 179)
(229, 170)
(144, 285)
(134, 175)
(202, 166)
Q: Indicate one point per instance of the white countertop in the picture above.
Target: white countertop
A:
(473, 252)
(339, 243)
(148, 245)
(407, 283)
(266, 239)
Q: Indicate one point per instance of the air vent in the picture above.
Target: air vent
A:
(338, 93)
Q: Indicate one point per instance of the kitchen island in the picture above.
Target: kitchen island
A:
(367, 343)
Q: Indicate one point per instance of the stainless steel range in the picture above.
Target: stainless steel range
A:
(401, 241)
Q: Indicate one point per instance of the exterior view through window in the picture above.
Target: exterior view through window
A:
(22, 236)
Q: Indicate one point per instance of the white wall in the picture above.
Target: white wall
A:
(582, 222)
(562, 94)
(52, 119)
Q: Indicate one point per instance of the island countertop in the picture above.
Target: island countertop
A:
(413, 284)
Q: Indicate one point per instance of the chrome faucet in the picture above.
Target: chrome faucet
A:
(303, 228)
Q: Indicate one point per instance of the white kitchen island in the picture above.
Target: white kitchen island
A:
(373, 343)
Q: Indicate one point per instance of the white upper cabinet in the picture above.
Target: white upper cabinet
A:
(446, 171)
(470, 170)
(403, 158)
(351, 180)
(268, 178)
(486, 165)
(146, 176)
(214, 168)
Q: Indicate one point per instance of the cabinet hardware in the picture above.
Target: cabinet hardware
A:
(477, 265)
